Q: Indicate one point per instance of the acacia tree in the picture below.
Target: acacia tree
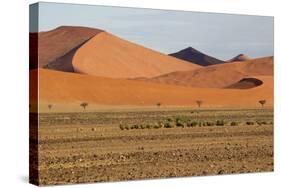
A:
(158, 104)
(199, 103)
(50, 106)
(84, 105)
(262, 102)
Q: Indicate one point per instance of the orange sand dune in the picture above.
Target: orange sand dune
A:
(240, 57)
(66, 88)
(56, 43)
(109, 56)
(218, 76)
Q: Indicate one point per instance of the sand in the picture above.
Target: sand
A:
(69, 88)
(218, 76)
(56, 43)
(109, 56)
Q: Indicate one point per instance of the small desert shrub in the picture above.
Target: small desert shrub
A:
(209, 123)
(127, 127)
(182, 118)
(156, 126)
(122, 127)
(194, 124)
(142, 126)
(219, 123)
(170, 119)
(160, 124)
(180, 122)
(168, 125)
(250, 123)
(148, 126)
(135, 126)
(234, 123)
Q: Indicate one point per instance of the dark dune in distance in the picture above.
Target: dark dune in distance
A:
(192, 55)
(240, 57)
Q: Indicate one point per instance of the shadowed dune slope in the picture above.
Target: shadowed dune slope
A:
(240, 57)
(218, 76)
(246, 83)
(192, 55)
(66, 88)
(58, 42)
(109, 56)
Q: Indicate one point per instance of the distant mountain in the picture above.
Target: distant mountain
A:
(192, 55)
(240, 57)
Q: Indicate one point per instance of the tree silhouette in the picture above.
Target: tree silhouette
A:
(158, 104)
(199, 103)
(50, 106)
(84, 105)
(262, 102)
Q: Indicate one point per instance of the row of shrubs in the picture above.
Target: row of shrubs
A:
(184, 122)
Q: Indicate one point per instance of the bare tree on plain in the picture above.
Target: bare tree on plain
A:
(50, 106)
(158, 104)
(199, 103)
(84, 105)
(262, 102)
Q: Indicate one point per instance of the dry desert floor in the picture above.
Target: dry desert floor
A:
(155, 143)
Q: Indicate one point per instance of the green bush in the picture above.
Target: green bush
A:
(179, 123)
(148, 126)
(194, 123)
(170, 120)
(210, 123)
(122, 127)
(127, 127)
(142, 126)
(261, 122)
(135, 126)
(250, 123)
(233, 123)
(160, 124)
(168, 125)
(220, 123)
(156, 126)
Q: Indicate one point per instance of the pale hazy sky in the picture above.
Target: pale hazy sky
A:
(220, 35)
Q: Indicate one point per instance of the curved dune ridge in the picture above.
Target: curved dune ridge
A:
(109, 56)
(218, 76)
(61, 87)
(58, 42)
(192, 55)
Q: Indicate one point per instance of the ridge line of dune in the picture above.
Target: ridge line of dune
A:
(111, 56)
